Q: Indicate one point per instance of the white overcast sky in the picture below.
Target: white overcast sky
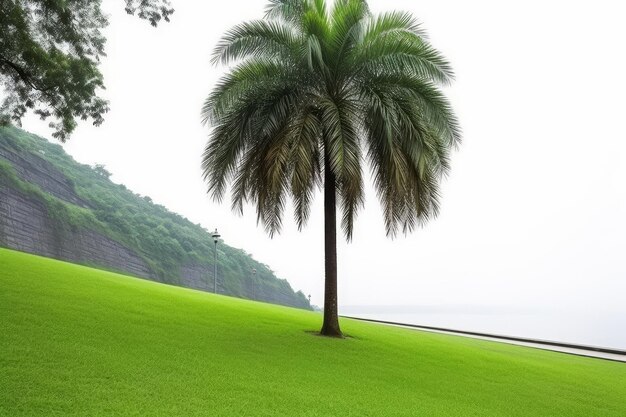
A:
(533, 212)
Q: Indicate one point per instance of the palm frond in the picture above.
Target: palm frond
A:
(253, 75)
(346, 17)
(426, 98)
(407, 155)
(341, 140)
(306, 135)
(269, 39)
(286, 10)
(390, 23)
(401, 51)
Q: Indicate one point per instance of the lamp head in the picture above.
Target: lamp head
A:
(215, 235)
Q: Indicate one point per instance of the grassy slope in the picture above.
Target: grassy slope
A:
(79, 341)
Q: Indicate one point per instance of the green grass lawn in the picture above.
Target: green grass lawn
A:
(76, 341)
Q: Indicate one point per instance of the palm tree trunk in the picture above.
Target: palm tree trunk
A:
(331, 318)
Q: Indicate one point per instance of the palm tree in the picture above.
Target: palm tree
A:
(317, 90)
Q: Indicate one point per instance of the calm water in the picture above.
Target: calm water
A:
(579, 327)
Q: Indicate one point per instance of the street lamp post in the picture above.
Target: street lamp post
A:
(254, 283)
(215, 236)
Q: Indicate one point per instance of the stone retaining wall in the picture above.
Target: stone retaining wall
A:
(25, 225)
(38, 171)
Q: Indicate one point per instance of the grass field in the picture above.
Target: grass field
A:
(76, 341)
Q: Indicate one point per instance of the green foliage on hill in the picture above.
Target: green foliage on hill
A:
(165, 240)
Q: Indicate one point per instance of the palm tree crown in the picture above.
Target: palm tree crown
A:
(316, 90)
(314, 81)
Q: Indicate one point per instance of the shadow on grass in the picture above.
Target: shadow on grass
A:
(317, 333)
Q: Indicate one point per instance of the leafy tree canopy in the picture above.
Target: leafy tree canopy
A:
(49, 56)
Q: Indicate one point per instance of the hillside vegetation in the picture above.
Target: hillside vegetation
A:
(77, 341)
(164, 240)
